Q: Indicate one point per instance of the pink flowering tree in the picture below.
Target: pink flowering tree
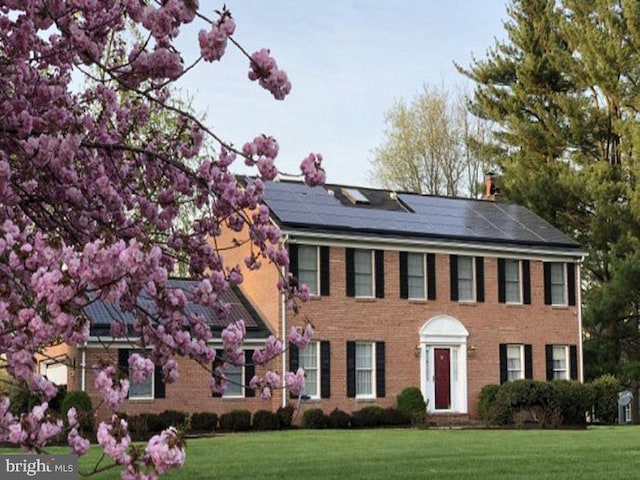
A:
(90, 190)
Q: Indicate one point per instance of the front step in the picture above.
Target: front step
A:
(450, 420)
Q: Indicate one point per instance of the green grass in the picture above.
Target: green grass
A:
(595, 453)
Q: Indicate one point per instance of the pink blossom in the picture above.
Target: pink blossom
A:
(265, 69)
(301, 336)
(214, 42)
(139, 368)
(79, 445)
(166, 450)
(113, 391)
(312, 170)
(295, 381)
(114, 439)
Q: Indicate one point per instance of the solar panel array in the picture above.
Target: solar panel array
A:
(297, 205)
(101, 313)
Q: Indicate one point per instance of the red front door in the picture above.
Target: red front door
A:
(443, 378)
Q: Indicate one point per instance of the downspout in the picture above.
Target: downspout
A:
(283, 327)
(580, 333)
(83, 365)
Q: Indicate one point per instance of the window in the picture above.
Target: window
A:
(365, 369)
(143, 389)
(465, 279)
(560, 363)
(308, 272)
(416, 275)
(363, 268)
(308, 361)
(558, 288)
(515, 362)
(235, 381)
(513, 292)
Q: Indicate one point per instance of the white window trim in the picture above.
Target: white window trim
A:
(474, 294)
(242, 385)
(565, 285)
(372, 395)
(522, 360)
(373, 274)
(317, 369)
(317, 292)
(424, 276)
(152, 377)
(520, 282)
(567, 360)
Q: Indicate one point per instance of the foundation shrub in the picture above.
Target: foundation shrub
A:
(204, 422)
(411, 404)
(339, 419)
(315, 418)
(371, 416)
(236, 421)
(265, 420)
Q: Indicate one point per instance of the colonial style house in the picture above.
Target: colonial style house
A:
(446, 294)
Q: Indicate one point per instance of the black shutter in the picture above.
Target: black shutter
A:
(351, 272)
(404, 280)
(431, 276)
(453, 277)
(293, 261)
(573, 362)
(249, 372)
(479, 279)
(547, 283)
(528, 362)
(526, 282)
(501, 284)
(351, 369)
(380, 371)
(214, 364)
(571, 283)
(324, 272)
(294, 354)
(325, 369)
(379, 263)
(158, 383)
(123, 362)
(503, 363)
(548, 356)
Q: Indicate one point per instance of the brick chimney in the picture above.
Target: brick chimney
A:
(491, 190)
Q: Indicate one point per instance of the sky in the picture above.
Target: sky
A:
(348, 62)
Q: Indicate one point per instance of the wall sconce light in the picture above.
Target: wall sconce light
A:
(471, 349)
(416, 351)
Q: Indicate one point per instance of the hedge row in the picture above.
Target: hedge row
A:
(141, 425)
(367, 417)
(550, 404)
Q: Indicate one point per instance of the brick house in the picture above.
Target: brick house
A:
(73, 367)
(444, 294)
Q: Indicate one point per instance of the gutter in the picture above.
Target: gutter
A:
(580, 333)
(83, 367)
(283, 320)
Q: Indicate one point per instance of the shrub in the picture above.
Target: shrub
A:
(315, 418)
(392, 416)
(605, 398)
(55, 403)
(153, 422)
(339, 419)
(138, 428)
(265, 420)
(488, 408)
(173, 418)
(285, 416)
(236, 421)
(204, 422)
(371, 416)
(573, 399)
(411, 404)
(82, 403)
(22, 398)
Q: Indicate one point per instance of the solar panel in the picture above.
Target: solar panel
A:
(297, 205)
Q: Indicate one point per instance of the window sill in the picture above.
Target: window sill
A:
(141, 400)
(560, 307)
(365, 299)
(420, 301)
(467, 303)
(514, 305)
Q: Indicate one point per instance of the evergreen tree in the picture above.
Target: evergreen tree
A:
(563, 91)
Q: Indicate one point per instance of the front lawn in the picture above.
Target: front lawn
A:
(595, 453)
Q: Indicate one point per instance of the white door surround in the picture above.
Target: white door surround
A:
(444, 331)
